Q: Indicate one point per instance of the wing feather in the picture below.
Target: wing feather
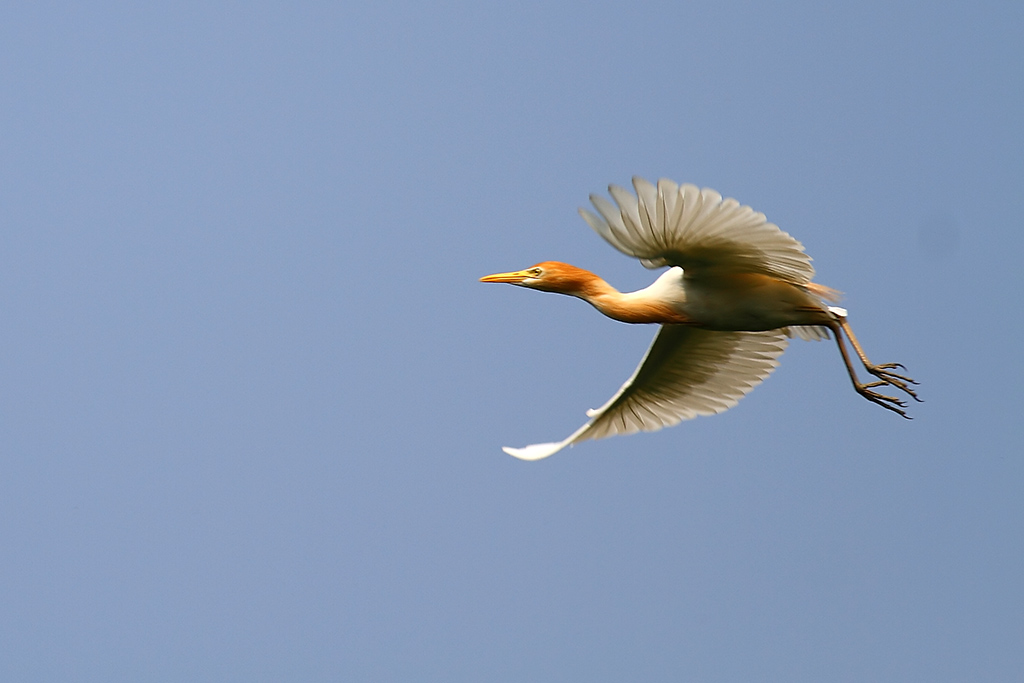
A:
(686, 372)
(681, 225)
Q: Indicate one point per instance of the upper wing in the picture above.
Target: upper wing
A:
(685, 373)
(680, 225)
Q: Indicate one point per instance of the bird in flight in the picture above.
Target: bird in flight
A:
(737, 287)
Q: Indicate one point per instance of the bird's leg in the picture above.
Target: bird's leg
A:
(883, 371)
(888, 402)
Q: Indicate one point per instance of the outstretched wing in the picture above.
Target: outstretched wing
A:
(686, 372)
(681, 225)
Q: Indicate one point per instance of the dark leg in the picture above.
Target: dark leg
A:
(883, 371)
(888, 402)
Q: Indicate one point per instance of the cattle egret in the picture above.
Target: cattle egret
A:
(737, 286)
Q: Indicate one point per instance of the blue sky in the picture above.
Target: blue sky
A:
(253, 396)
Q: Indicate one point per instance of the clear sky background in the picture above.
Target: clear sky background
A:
(252, 396)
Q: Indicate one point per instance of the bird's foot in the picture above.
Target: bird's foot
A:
(884, 373)
(888, 402)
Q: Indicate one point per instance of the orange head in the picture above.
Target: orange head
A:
(548, 276)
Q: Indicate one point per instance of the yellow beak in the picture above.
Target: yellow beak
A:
(511, 278)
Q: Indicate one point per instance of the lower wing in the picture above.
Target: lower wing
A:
(686, 372)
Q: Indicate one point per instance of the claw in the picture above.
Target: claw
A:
(888, 402)
(883, 369)
(886, 366)
(865, 389)
(901, 382)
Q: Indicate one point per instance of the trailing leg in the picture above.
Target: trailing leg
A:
(888, 402)
(883, 371)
